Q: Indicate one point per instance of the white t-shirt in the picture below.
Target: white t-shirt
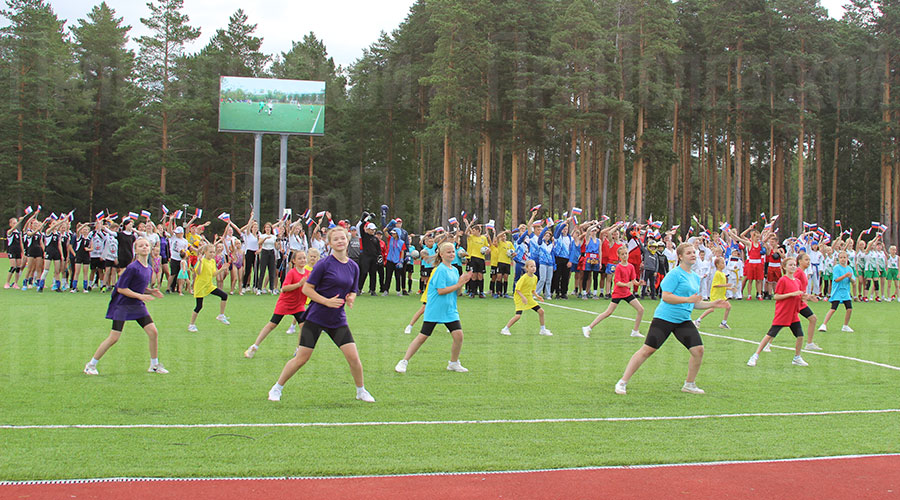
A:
(266, 241)
(297, 242)
(251, 242)
(177, 244)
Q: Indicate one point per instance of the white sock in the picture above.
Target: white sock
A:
(44, 274)
(154, 361)
(94, 361)
(254, 346)
(360, 389)
(278, 386)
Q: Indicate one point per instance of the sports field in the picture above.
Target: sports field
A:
(284, 118)
(528, 402)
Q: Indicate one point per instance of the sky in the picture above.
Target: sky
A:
(345, 26)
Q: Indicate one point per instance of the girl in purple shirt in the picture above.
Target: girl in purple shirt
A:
(127, 304)
(332, 283)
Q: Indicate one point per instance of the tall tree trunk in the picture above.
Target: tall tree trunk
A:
(772, 150)
(800, 143)
(501, 190)
(572, 160)
(673, 168)
(446, 194)
(834, 164)
(309, 193)
(819, 191)
(738, 140)
(486, 164)
(779, 178)
(886, 160)
(714, 177)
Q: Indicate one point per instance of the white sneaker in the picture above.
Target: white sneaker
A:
(753, 359)
(635, 333)
(846, 328)
(223, 319)
(292, 329)
(545, 332)
(401, 366)
(363, 395)
(193, 328)
(767, 348)
(455, 366)
(823, 328)
(620, 387)
(408, 329)
(692, 388)
(250, 351)
(697, 323)
(798, 361)
(279, 397)
(586, 331)
(812, 346)
(505, 331)
(158, 368)
(274, 394)
(90, 370)
(723, 325)
(399, 294)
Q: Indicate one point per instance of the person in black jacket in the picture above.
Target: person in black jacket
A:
(369, 255)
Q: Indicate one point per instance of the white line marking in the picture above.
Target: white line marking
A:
(433, 474)
(449, 422)
(313, 130)
(754, 342)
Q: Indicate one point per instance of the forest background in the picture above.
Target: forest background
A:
(631, 108)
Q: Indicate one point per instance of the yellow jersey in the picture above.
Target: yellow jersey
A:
(502, 253)
(475, 244)
(203, 282)
(525, 286)
(717, 292)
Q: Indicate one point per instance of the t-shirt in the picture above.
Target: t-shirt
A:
(475, 243)
(786, 309)
(718, 291)
(331, 278)
(840, 290)
(624, 274)
(683, 284)
(526, 286)
(442, 308)
(803, 281)
(294, 301)
(203, 283)
(135, 277)
(501, 255)
(178, 244)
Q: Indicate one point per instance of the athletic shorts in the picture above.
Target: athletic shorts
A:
(870, 274)
(773, 274)
(300, 317)
(628, 299)
(891, 274)
(660, 329)
(848, 304)
(14, 252)
(164, 260)
(97, 263)
(502, 268)
(117, 325)
(795, 327)
(425, 272)
(493, 272)
(109, 264)
(409, 267)
(827, 276)
(476, 264)
(83, 258)
(428, 327)
(310, 332)
(610, 268)
(806, 312)
(535, 309)
(52, 253)
(754, 272)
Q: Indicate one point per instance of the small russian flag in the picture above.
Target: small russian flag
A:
(179, 214)
(99, 215)
(132, 215)
(310, 222)
(54, 216)
(225, 216)
(656, 224)
(536, 207)
(71, 215)
(675, 227)
(576, 211)
(490, 224)
(762, 215)
(320, 214)
(549, 221)
(821, 231)
(767, 227)
(306, 214)
(145, 213)
(883, 228)
(806, 226)
(690, 230)
(575, 219)
(774, 218)
(706, 233)
(604, 218)
(876, 225)
(725, 226)
(165, 210)
(452, 220)
(39, 208)
(28, 210)
(463, 214)
(198, 213)
(837, 222)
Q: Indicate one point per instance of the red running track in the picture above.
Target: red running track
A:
(832, 478)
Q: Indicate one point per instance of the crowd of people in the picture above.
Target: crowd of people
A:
(318, 265)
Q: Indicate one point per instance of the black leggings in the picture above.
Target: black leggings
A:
(392, 271)
(560, 283)
(174, 268)
(249, 264)
(585, 276)
(119, 324)
(368, 269)
(218, 293)
(266, 262)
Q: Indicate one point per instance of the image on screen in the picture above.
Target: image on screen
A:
(272, 106)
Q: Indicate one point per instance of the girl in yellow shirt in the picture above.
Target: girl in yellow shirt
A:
(524, 298)
(204, 274)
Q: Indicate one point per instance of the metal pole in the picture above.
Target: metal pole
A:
(282, 180)
(257, 171)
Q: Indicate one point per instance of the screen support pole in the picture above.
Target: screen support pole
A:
(282, 177)
(257, 172)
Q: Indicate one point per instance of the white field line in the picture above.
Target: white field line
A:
(431, 474)
(754, 342)
(317, 120)
(451, 422)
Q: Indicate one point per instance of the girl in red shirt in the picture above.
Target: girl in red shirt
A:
(291, 300)
(788, 298)
(624, 279)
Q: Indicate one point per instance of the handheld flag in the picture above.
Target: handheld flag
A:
(774, 218)
(576, 211)
(145, 213)
(549, 221)
(536, 207)
(54, 216)
(762, 215)
(490, 224)
(463, 215)
(876, 225)
(452, 221)
(28, 210)
(883, 228)
(310, 222)
(165, 210)
(99, 215)
(675, 227)
(725, 227)
(320, 214)
(198, 213)
(837, 222)
(132, 215)
(179, 214)
(690, 230)
(225, 216)
(71, 215)
(306, 214)
(604, 218)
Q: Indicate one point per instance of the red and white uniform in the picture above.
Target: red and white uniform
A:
(754, 268)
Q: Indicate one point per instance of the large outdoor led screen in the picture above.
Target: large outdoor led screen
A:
(271, 106)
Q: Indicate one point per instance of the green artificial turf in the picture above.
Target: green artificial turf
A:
(286, 118)
(47, 338)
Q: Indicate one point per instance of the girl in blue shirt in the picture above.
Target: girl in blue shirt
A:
(840, 292)
(440, 307)
(561, 248)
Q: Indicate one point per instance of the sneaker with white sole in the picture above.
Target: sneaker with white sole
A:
(363, 395)
(250, 351)
(798, 361)
(724, 325)
(408, 329)
(90, 369)
(697, 323)
(274, 394)
(505, 331)
(767, 348)
(635, 333)
(455, 366)
(812, 346)
(823, 328)
(753, 359)
(586, 331)
(401, 366)
(193, 328)
(545, 332)
(692, 388)
(223, 319)
(846, 328)
(158, 368)
(292, 329)
(620, 387)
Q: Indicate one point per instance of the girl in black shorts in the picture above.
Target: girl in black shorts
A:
(82, 248)
(15, 250)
